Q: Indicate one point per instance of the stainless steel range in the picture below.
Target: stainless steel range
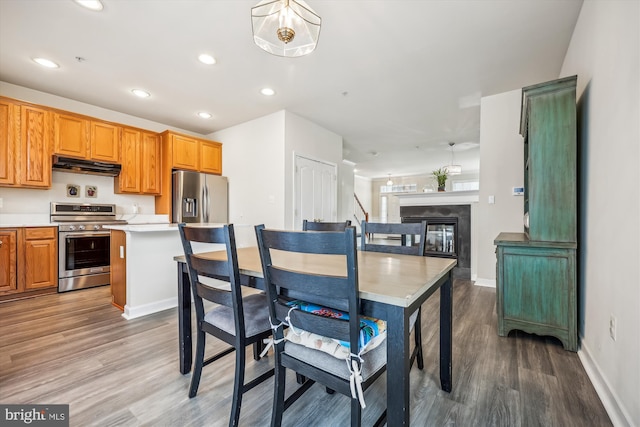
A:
(83, 244)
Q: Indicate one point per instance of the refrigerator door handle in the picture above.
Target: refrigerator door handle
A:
(206, 205)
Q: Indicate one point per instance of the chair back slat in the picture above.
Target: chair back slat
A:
(302, 281)
(226, 270)
(324, 226)
(403, 230)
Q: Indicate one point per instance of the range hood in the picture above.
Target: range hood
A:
(69, 164)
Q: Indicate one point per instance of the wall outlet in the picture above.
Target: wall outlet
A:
(492, 200)
(612, 327)
(135, 208)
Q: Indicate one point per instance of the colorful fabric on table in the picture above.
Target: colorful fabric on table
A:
(372, 331)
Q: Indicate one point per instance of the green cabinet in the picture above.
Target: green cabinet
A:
(536, 270)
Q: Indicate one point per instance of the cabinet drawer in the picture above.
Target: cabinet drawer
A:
(40, 233)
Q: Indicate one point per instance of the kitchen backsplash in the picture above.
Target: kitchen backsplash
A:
(76, 188)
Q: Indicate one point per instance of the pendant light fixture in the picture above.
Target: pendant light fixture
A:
(389, 182)
(287, 28)
(453, 169)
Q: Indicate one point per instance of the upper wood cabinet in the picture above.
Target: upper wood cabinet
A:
(25, 145)
(151, 172)
(211, 157)
(7, 142)
(141, 161)
(184, 152)
(79, 136)
(71, 135)
(35, 147)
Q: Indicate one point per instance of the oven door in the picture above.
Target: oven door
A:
(84, 259)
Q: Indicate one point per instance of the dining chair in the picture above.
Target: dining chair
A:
(326, 338)
(412, 242)
(324, 226)
(240, 316)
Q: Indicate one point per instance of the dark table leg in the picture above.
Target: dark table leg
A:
(397, 367)
(184, 319)
(446, 339)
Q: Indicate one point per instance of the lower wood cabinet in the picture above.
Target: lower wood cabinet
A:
(118, 269)
(28, 261)
(536, 288)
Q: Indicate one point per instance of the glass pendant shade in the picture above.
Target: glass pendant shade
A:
(287, 28)
(452, 169)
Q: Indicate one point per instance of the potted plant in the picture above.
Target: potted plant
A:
(441, 177)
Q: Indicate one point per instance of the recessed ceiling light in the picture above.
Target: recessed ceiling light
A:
(91, 4)
(267, 91)
(207, 59)
(141, 93)
(204, 115)
(46, 62)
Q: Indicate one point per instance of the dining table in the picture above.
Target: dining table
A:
(391, 288)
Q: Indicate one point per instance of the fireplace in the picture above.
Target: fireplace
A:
(448, 232)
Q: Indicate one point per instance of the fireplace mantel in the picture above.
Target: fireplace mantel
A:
(440, 198)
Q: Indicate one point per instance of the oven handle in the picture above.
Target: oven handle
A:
(76, 235)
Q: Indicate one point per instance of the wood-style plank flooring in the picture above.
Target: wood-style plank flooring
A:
(76, 348)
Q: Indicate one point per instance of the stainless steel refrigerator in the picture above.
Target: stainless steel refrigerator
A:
(199, 197)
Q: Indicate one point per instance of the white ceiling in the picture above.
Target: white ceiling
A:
(396, 78)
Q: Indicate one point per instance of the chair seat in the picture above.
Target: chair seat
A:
(256, 316)
(373, 360)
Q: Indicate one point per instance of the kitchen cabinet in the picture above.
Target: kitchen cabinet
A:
(141, 162)
(8, 261)
(118, 277)
(7, 142)
(85, 138)
(28, 261)
(25, 145)
(40, 258)
(536, 282)
(183, 152)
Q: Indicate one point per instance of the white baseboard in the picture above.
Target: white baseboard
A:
(488, 283)
(146, 309)
(620, 417)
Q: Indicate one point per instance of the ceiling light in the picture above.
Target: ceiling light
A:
(285, 27)
(204, 115)
(267, 91)
(453, 169)
(389, 182)
(91, 4)
(46, 62)
(207, 59)
(141, 93)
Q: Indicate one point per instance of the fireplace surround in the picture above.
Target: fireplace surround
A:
(450, 234)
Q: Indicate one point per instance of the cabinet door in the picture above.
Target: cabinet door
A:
(8, 261)
(210, 157)
(151, 163)
(104, 142)
(7, 143)
(185, 152)
(41, 261)
(129, 179)
(118, 270)
(71, 135)
(35, 147)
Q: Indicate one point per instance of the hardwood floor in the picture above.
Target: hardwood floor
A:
(76, 348)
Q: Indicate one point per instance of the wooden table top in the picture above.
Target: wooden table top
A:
(387, 278)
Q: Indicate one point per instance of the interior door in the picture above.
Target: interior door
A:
(315, 191)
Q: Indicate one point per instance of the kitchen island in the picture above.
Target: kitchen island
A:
(143, 279)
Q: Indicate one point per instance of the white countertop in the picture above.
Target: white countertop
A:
(25, 220)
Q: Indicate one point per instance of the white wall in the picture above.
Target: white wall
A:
(604, 52)
(501, 168)
(346, 189)
(310, 140)
(253, 160)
